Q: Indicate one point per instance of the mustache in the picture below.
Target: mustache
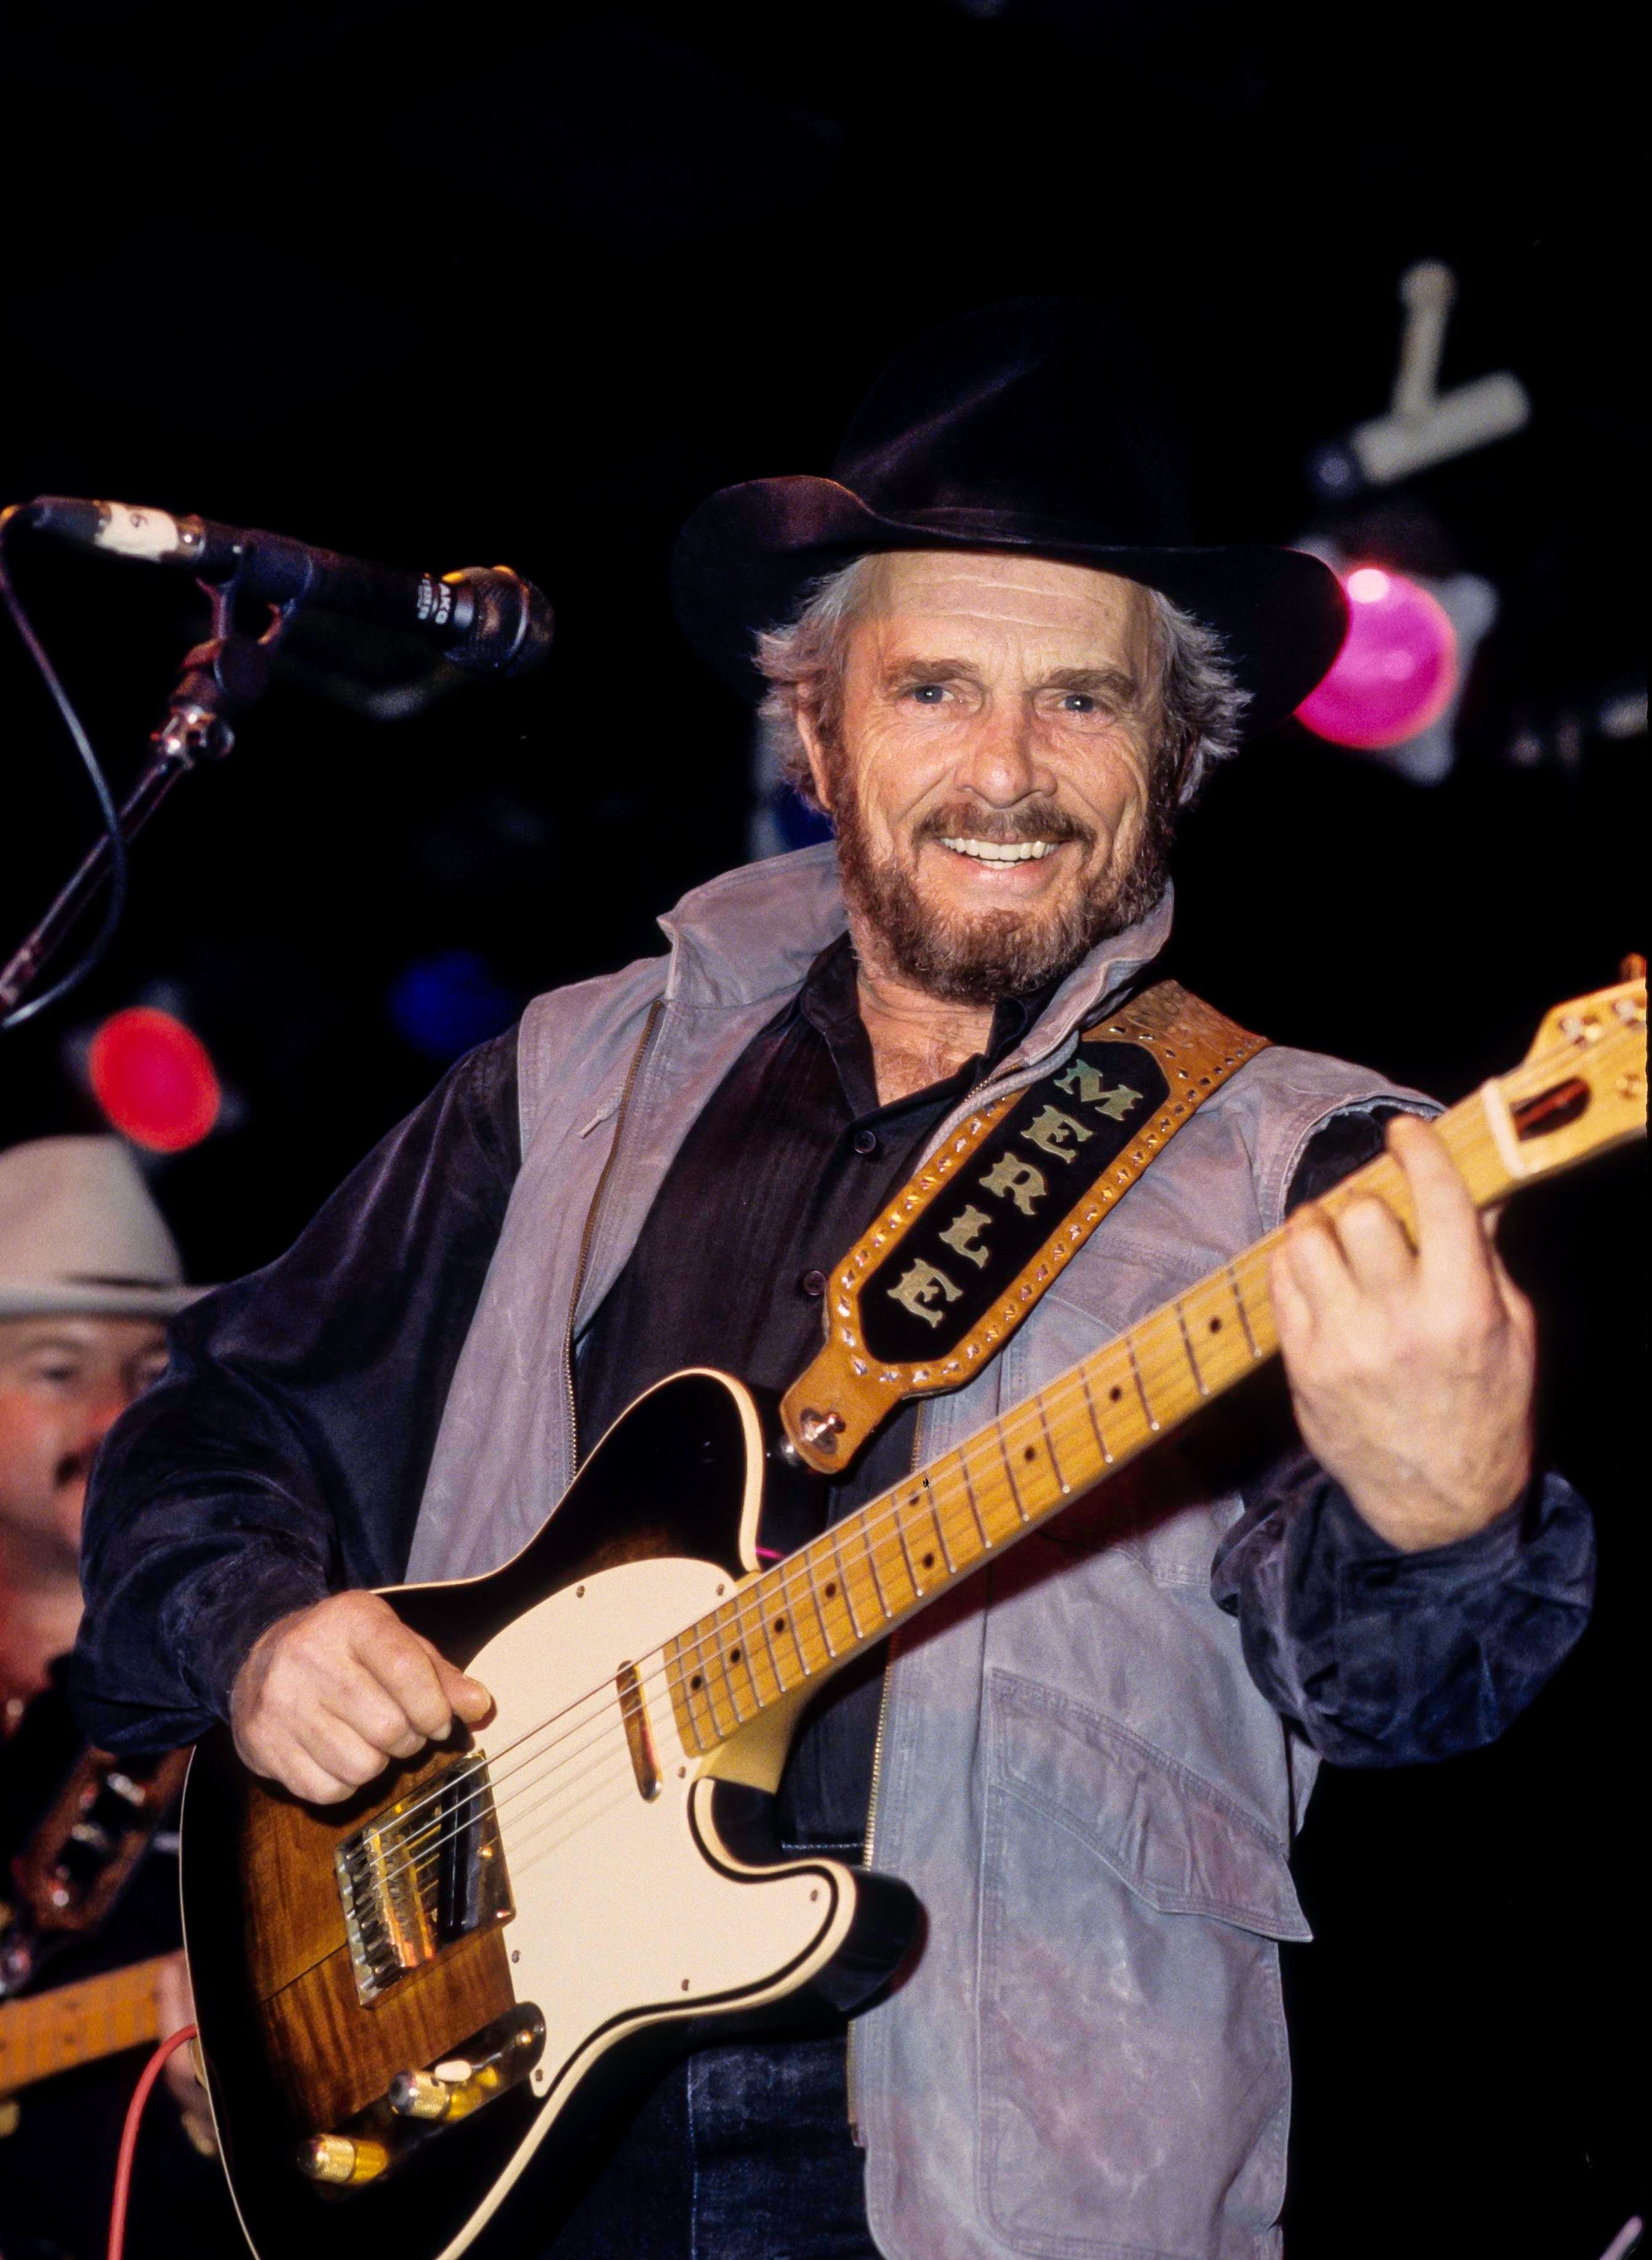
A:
(1039, 819)
(74, 1468)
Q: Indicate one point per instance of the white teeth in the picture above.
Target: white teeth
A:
(995, 851)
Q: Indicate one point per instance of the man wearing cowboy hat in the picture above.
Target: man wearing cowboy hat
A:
(977, 653)
(89, 1275)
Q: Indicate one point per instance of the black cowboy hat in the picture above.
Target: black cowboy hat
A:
(1007, 430)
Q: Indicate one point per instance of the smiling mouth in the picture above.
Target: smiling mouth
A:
(1002, 851)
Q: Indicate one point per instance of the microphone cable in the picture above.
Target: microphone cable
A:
(114, 908)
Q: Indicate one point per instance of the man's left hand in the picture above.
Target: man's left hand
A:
(174, 2005)
(1412, 1369)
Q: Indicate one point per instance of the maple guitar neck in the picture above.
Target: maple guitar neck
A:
(797, 1623)
(53, 2032)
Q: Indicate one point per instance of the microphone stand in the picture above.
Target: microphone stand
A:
(218, 680)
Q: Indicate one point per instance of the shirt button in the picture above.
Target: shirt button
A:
(813, 1282)
(865, 1141)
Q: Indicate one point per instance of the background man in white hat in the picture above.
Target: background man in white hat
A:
(89, 1276)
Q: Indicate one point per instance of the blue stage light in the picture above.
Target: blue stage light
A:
(445, 1004)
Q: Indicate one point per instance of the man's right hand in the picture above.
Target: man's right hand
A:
(328, 1695)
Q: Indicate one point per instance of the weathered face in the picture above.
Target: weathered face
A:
(992, 777)
(63, 1382)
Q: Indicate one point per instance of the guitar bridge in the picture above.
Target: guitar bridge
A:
(421, 1874)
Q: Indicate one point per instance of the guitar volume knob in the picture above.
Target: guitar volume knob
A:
(342, 2159)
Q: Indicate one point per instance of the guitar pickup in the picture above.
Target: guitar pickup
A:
(421, 1874)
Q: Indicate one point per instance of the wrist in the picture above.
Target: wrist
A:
(1418, 1518)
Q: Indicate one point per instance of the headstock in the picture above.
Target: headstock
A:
(1581, 1089)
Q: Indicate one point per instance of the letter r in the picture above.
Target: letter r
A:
(1016, 1181)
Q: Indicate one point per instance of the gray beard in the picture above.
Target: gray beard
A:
(976, 961)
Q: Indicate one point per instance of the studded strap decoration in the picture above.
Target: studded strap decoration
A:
(961, 1255)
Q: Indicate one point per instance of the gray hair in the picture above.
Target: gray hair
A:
(1198, 699)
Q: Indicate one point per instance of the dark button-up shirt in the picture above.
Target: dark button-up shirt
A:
(284, 1454)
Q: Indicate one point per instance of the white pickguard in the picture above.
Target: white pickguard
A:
(621, 1917)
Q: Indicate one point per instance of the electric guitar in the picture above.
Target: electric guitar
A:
(47, 2033)
(403, 1997)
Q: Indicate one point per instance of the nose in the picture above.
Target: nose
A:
(100, 1412)
(1002, 763)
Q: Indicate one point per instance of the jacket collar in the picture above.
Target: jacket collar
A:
(753, 933)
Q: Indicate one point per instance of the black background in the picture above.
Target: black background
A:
(447, 286)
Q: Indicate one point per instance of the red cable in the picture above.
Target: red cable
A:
(129, 2136)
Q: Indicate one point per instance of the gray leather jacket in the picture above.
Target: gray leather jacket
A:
(1076, 1773)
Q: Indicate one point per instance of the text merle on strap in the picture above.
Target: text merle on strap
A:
(961, 1255)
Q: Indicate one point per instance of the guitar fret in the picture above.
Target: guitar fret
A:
(814, 1595)
(803, 1664)
(1009, 1469)
(872, 1560)
(707, 1679)
(843, 1584)
(1089, 1406)
(763, 1618)
(934, 1512)
(1244, 1315)
(710, 1691)
(1136, 1370)
(726, 1663)
(688, 1691)
(1187, 1345)
(1050, 1446)
(900, 1533)
(973, 1503)
(745, 1658)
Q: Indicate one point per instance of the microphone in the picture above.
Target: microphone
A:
(486, 618)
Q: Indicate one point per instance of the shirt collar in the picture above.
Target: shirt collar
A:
(756, 931)
(829, 1000)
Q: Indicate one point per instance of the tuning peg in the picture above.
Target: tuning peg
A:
(1632, 968)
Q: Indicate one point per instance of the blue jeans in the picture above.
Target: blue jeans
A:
(742, 2153)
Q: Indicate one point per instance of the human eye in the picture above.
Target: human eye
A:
(926, 694)
(53, 1369)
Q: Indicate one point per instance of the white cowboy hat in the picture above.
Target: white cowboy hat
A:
(79, 1234)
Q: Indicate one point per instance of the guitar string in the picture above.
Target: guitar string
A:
(874, 1520)
(955, 1518)
(605, 1693)
(1157, 1362)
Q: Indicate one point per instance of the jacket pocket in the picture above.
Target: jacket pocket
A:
(1134, 2074)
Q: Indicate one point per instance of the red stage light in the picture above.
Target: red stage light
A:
(1396, 673)
(154, 1079)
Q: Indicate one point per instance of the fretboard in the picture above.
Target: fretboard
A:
(46, 2033)
(797, 1623)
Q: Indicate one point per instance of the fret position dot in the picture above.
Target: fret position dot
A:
(780, 1624)
(696, 1683)
(832, 1592)
(733, 1655)
(1216, 1325)
(1031, 1452)
(1114, 1394)
(929, 1561)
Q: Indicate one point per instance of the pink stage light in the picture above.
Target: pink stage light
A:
(154, 1079)
(1397, 671)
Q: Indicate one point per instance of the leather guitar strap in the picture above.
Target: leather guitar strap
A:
(961, 1255)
